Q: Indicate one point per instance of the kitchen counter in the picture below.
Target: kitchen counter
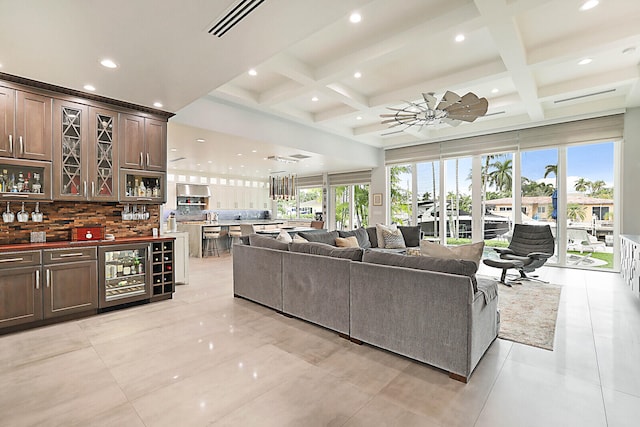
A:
(70, 244)
(226, 223)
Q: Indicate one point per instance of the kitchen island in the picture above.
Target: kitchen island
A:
(194, 228)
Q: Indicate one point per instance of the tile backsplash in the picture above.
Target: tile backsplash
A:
(59, 218)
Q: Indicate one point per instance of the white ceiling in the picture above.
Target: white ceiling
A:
(526, 49)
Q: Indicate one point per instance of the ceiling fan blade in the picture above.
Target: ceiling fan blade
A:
(430, 100)
(398, 115)
(451, 122)
(448, 99)
(469, 111)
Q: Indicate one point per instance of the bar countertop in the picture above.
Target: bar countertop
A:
(70, 244)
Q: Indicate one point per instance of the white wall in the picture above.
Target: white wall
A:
(631, 173)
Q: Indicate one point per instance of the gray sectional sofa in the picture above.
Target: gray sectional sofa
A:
(429, 309)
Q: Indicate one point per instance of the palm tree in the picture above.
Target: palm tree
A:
(582, 185)
(361, 201)
(597, 186)
(575, 212)
(501, 176)
(551, 169)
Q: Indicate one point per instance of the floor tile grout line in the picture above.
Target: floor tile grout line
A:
(595, 349)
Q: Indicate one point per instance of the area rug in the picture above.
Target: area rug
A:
(528, 313)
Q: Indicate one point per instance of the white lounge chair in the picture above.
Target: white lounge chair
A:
(580, 240)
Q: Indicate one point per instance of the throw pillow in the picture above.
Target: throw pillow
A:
(267, 242)
(353, 254)
(393, 239)
(347, 242)
(471, 252)
(411, 235)
(299, 239)
(328, 237)
(373, 237)
(379, 228)
(284, 237)
(360, 234)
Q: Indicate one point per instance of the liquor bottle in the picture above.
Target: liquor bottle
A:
(2, 184)
(12, 184)
(20, 184)
(120, 267)
(126, 269)
(156, 189)
(26, 187)
(36, 186)
(140, 267)
(136, 188)
(5, 181)
(142, 191)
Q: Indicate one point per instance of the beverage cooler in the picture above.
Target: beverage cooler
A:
(124, 274)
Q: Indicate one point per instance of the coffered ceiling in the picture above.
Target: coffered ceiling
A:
(522, 55)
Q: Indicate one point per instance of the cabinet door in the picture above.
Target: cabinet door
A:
(33, 127)
(21, 296)
(155, 137)
(70, 151)
(70, 288)
(131, 141)
(7, 120)
(103, 154)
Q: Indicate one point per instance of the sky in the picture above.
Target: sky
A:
(590, 161)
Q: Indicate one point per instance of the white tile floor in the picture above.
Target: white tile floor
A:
(205, 358)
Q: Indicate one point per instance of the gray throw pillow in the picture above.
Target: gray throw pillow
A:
(360, 234)
(315, 248)
(411, 235)
(441, 265)
(267, 242)
(373, 236)
(327, 237)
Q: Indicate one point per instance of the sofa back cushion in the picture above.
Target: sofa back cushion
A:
(360, 233)
(373, 236)
(470, 252)
(267, 242)
(326, 237)
(440, 265)
(411, 235)
(316, 248)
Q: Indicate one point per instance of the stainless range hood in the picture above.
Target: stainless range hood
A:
(192, 190)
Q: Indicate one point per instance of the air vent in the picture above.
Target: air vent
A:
(282, 159)
(300, 156)
(234, 14)
(177, 159)
(584, 96)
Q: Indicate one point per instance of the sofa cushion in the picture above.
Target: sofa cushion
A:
(393, 239)
(373, 236)
(328, 237)
(379, 236)
(299, 239)
(441, 265)
(411, 235)
(470, 252)
(360, 233)
(267, 242)
(316, 248)
(347, 242)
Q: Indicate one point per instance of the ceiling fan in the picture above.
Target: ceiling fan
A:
(452, 110)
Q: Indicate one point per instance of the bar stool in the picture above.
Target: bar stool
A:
(210, 235)
(234, 234)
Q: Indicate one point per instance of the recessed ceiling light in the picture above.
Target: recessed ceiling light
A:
(200, 140)
(355, 17)
(254, 151)
(158, 104)
(459, 38)
(314, 99)
(495, 90)
(241, 166)
(197, 164)
(210, 161)
(359, 118)
(174, 150)
(253, 72)
(585, 61)
(108, 63)
(90, 88)
(589, 4)
(230, 167)
(0, 65)
(239, 154)
(357, 74)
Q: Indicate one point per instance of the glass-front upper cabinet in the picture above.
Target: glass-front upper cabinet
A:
(25, 179)
(70, 130)
(142, 186)
(103, 153)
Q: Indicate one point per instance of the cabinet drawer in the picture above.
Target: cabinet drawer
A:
(69, 255)
(19, 259)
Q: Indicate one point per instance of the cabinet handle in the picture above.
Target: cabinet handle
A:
(70, 255)
(141, 162)
(93, 188)
(146, 199)
(11, 144)
(24, 196)
(37, 279)
(85, 188)
(48, 278)
(11, 259)
(147, 159)
(21, 146)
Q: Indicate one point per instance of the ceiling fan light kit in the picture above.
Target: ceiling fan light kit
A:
(452, 110)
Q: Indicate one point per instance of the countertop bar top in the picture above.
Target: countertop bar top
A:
(225, 223)
(69, 244)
